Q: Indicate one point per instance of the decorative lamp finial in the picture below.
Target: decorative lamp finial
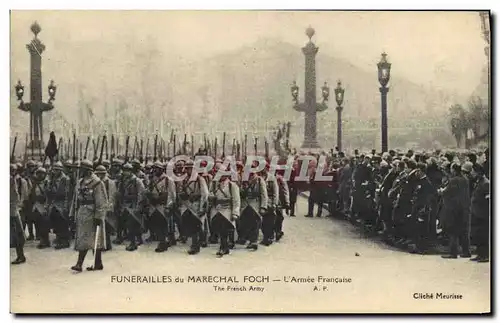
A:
(35, 28)
(310, 32)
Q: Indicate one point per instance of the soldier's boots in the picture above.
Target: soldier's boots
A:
(79, 263)
(132, 246)
(162, 246)
(98, 262)
(279, 235)
(266, 242)
(231, 240)
(222, 252)
(171, 240)
(195, 245)
(20, 259)
(252, 246)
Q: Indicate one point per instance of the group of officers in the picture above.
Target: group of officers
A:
(415, 201)
(91, 202)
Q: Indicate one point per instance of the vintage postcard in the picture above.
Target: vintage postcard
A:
(250, 162)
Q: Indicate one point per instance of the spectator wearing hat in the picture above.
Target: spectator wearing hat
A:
(456, 216)
(90, 217)
(480, 212)
(59, 203)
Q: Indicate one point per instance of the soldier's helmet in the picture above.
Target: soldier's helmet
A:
(467, 167)
(86, 164)
(100, 170)
(68, 163)
(135, 162)
(157, 165)
(106, 163)
(19, 166)
(128, 167)
(31, 163)
(58, 166)
(41, 170)
(117, 162)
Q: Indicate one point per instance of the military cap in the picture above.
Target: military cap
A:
(100, 169)
(467, 167)
(86, 164)
(58, 165)
(127, 166)
(68, 163)
(135, 162)
(105, 163)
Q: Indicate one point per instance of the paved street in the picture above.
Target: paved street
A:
(382, 279)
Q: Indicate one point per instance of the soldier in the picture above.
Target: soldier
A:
(480, 213)
(16, 230)
(115, 173)
(38, 196)
(225, 210)
(90, 217)
(269, 218)
(345, 184)
(292, 186)
(59, 203)
(111, 214)
(131, 196)
(254, 201)
(284, 204)
(161, 196)
(207, 176)
(193, 201)
(23, 190)
(385, 202)
(31, 223)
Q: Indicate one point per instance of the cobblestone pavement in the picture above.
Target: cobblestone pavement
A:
(381, 279)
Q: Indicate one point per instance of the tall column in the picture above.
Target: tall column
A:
(383, 93)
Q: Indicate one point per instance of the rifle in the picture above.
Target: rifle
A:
(74, 147)
(233, 147)
(155, 145)
(147, 152)
(266, 147)
(60, 148)
(126, 148)
(224, 145)
(215, 148)
(238, 146)
(86, 147)
(287, 142)
(175, 145)
(205, 140)
(192, 145)
(107, 150)
(81, 149)
(102, 150)
(245, 147)
(141, 156)
(134, 149)
(13, 153)
(184, 143)
(255, 146)
(112, 147)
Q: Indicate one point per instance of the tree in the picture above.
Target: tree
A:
(478, 114)
(458, 122)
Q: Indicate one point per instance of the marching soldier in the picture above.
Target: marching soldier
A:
(59, 200)
(90, 217)
(31, 222)
(269, 218)
(284, 204)
(193, 201)
(16, 229)
(161, 197)
(131, 195)
(111, 214)
(254, 201)
(23, 190)
(225, 210)
(207, 176)
(39, 201)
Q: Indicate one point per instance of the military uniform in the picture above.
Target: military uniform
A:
(269, 217)
(92, 205)
(17, 238)
(224, 211)
(254, 201)
(59, 203)
(193, 202)
(284, 204)
(161, 197)
(39, 207)
(131, 195)
(111, 214)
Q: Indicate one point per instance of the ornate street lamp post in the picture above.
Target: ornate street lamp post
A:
(310, 107)
(339, 97)
(36, 107)
(384, 74)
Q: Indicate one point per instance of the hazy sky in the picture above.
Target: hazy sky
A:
(441, 48)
